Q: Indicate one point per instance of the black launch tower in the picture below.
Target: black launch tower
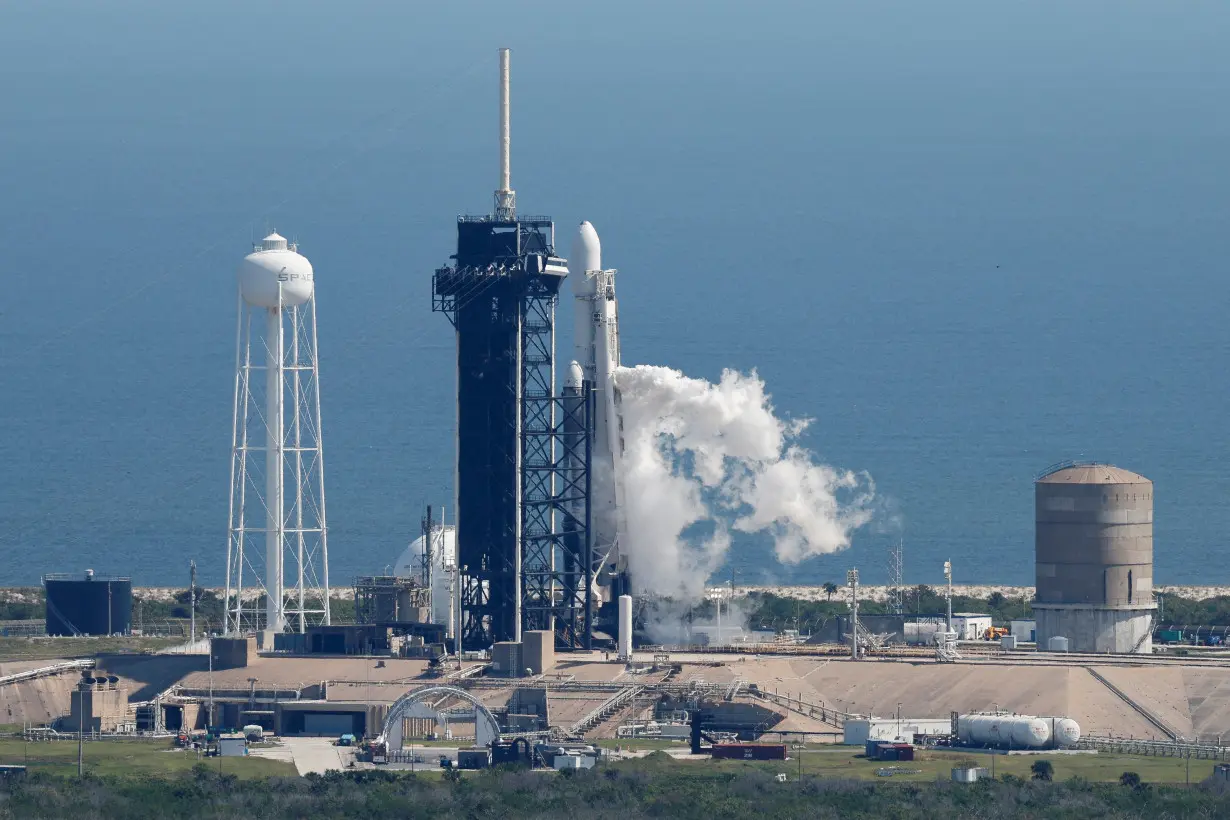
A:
(523, 549)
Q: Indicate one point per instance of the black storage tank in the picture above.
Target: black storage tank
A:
(88, 604)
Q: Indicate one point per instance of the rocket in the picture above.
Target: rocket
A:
(593, 371)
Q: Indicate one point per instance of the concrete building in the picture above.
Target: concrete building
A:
(538, 651)
(1094, 554)
(99, 704)
(970, 626)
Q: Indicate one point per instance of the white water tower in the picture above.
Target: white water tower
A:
(277, 546)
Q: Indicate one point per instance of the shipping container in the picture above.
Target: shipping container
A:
(749, 751)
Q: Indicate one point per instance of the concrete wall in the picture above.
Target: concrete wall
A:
(507, 659)
(1090, 629)
(539, 651)
(232, 653)
(96, 709)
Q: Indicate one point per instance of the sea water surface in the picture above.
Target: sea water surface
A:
(968, 239)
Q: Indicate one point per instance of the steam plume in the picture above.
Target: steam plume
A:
(702, 460)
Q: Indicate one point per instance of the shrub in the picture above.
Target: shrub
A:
(1130, 779)
(1043, 770)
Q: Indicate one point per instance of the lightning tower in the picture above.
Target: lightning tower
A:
(277, 460)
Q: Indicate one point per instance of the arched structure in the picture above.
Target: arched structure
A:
(416, 704)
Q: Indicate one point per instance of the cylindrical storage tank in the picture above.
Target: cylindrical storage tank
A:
(1003, 731)
(1030, 733)
(88, 604)
(1094, 536)
(1094, 559)
(1066, 733)
(625, 626)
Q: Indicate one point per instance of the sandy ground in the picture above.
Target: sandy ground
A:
(880, 593)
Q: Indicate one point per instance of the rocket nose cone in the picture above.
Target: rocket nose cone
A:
(586, 250)
(575, 377)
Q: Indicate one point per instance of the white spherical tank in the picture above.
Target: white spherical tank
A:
(275, 264)
(1067, 732)
(443, 559)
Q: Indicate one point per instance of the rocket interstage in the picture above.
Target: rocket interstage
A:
(597, 358)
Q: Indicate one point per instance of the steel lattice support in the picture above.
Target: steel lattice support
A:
(557, 571)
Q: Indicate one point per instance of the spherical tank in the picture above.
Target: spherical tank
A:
(1067, 732)
(1094, 537)
(275, 264)
(443, 558)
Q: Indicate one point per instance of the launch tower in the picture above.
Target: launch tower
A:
(523, 549)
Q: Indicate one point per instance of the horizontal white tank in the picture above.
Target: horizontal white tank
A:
(1017, 731)
(1066, 732)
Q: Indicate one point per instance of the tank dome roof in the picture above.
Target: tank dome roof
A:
(1092, 473)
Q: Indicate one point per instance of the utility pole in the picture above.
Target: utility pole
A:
(852, 580)
(192, 600)
(948, 578)
(80, 744)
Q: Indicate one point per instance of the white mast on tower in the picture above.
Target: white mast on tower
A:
(283, 498)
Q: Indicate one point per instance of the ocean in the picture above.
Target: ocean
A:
(968, 240)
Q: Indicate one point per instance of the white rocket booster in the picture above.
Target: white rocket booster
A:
(597, 357)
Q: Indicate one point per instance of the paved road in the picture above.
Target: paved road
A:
(317, 754)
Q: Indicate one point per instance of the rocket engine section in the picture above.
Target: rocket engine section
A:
(1017, 731)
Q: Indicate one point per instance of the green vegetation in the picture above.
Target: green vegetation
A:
(847, 763)
(130, 758)
(767, 611)
(655, 786)
(44, 648)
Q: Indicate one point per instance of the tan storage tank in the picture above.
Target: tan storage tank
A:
(1094, 558)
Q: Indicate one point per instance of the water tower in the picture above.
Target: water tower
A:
(277, 560)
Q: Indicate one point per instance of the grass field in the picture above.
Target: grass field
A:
(115, 757)
(25, 649)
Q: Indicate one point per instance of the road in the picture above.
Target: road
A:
(309, 754)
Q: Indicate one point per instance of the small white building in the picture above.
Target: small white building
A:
(970, 626)
(860, 730)
(1023, 630)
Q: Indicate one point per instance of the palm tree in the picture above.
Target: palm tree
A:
(829, 589)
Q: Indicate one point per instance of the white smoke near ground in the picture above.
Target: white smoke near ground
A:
(703, 460)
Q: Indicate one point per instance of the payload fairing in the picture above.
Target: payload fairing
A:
(593, 373)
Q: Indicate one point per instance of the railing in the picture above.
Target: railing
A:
(45, 671)
(1145, 713)
(824, 714)
(1155, 748)
(608, 708)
